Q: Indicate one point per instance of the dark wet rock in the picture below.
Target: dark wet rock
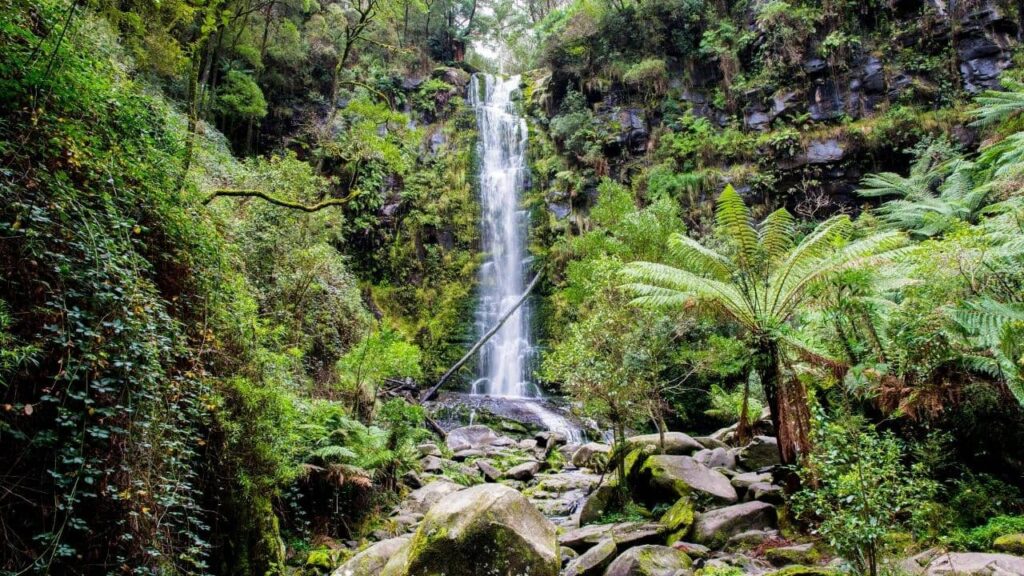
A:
(412, 480)
(559, 210)
(486, 529)
(714, 527)
(550, 438)
(786, 104)
(815, 65)
(761, 452)
(649, 561)
(826, 101)
(672, 477)
(593, 561)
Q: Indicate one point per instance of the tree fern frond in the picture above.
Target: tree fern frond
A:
(776, 234)
(733, 224)
(995, 106)
(697, 258)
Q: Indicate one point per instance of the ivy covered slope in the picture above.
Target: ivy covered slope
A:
(206, 273)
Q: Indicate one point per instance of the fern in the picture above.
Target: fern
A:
(996, 106)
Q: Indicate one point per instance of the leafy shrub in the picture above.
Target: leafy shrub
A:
(858, 489)
(648, 76)
(578, 131)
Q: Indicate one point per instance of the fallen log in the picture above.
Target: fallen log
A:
(479, 343)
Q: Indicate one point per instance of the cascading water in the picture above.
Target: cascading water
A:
(505, 360)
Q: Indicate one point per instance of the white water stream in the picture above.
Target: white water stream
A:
(506, 360)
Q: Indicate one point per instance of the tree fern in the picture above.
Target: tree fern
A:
(996, 106)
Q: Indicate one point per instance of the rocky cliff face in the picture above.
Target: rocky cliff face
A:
(794, 107)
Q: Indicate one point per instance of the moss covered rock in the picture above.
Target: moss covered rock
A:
(1010, 543)
(675, 443)
(804, 571)
(798, 554)
(672, 477)
(487, 529)
(649, 561)
(678, 519)
(371, 561)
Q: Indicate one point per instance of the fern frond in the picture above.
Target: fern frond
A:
(733, 223)
(776, 234)
(995, 106)
(697, 258)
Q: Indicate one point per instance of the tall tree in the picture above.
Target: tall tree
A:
(760, 280)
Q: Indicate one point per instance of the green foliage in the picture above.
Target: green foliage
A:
(727, 406)
(981, 538)
(381, 355)
(241, 97)
(859, 490)
(578, 131)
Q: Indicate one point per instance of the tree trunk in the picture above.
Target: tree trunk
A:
(787, 401)
(743, 427)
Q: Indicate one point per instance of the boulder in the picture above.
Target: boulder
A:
(797, 554)
(675, 443)
(710, 443)
(583, 538)
(935, 563)
(714, 527)
(744, 481)
(678, 476)
(804, 571)
(567, 554)
(766, 492)
(591, 455)
(432, 464)
(422, 499)
(593, 561)
(429, 449)
(371, 562)
(716, 458)
(649, 561)
(491, 474)
(692, 550)
(1010, 543)
(761, 452)
(470, 437)
(466, 454)
(678, 519)
(595, 505)
(634, 533)
(524, 471)
(825, 151)
(749, 539)
(486, 529)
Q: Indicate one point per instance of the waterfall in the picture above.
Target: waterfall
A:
(506, 358)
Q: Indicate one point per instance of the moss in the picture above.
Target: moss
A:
(678, 519)
(320, 561)
(804, 571)
(1010, 543)
(791, 555)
